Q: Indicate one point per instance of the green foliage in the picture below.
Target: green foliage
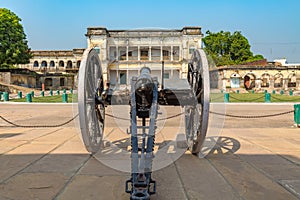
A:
(228, 49)
(13, 43)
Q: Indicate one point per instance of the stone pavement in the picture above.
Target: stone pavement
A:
(253, 159)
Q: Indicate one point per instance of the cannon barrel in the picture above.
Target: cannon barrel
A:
(144, 92)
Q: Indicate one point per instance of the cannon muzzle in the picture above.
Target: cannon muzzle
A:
(144, 93)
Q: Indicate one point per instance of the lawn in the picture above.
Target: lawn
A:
(48, 99)
(256, 97)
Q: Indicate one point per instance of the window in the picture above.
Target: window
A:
(78, 63)
(175, 53)
(155, 53)
(52, 64)
(133, 53)
(123, 78)
(61, 63)
(69, 64)
(166, 53)
(62, 81)
(191, 50)
(123, 55)
(44, 63)
(166, 75)
(144, 54)
(112, 53)
(36, 64)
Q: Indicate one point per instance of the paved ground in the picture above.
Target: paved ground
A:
(253, 159)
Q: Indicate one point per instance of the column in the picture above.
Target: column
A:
(150, 56)
(271, 86)
(127, 48)
(139, 53)
(285, 83)
(171, 53)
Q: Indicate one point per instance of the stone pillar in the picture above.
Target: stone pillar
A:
(224, 81)
(285, 83)
(127, 49)
(139, 53)
(171, 53)
(298, 84)
(258, 83)
(242, 83)
(271, 83)
(150, 56)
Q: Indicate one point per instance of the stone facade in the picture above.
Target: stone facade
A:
(57, 69)
(270, 77)
(124, 52)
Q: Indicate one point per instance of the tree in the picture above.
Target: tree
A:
(13, 43)
(227, 49)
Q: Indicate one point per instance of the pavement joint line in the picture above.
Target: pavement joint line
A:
(236, 193)
(265, 173)
(29, 141)
(35, 161)
(181, 182)
(72, 177)
(291, 190)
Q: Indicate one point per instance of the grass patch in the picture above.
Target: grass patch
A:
(249, 97)
(48, 99)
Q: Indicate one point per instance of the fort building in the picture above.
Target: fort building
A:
(124, 52)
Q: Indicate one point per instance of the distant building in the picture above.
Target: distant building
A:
(259, 76)
(57, 69)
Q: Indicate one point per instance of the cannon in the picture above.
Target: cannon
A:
(145, 97)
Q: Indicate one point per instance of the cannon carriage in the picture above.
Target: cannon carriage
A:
(146, 95)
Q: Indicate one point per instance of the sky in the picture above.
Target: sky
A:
(272, 27)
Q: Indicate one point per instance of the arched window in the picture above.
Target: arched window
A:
(292, 80)
(78, 63)
(61, 63)
(52, 64)
(69, 64)
(249, 81)
(278, 80)
(265, 80)
(235, 80)
(36, 64)
(44, 63)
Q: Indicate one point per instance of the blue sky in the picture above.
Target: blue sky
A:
(271, 26)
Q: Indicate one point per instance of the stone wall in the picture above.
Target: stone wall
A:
(262, 77)
(5, 77)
